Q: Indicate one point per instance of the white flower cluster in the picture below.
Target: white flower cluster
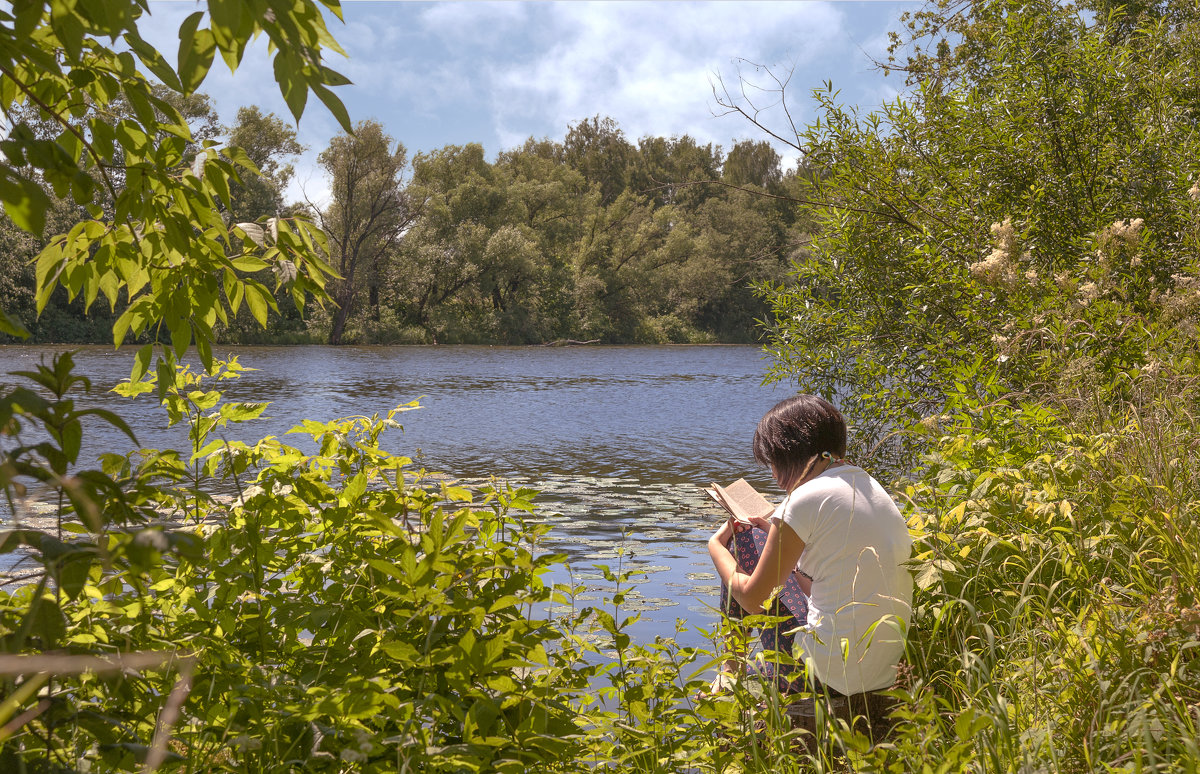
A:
(1194, 191)
(1117, 245)
(1183, 300)
(1002, 266)
(1121, 232)
(934, 423)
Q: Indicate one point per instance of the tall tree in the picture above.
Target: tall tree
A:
(667, 169)
(369, 211)
(597, 148)
(752, 162)
(268, 142)
(446, 276)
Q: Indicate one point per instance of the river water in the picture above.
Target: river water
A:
(618, 439)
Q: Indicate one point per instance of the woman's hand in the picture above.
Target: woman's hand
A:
(762, 523)
(731, 527)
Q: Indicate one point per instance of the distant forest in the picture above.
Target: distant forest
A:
(591, 238)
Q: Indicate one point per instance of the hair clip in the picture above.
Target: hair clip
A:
(826, 455)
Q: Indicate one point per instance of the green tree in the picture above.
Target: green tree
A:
(752, 162)
(164, 242)
(65, 317)
(268, 142)
(369, 211)
(667, 170)
(597, 148)
(446, 281)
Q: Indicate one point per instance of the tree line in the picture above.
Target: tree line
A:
(593, 237)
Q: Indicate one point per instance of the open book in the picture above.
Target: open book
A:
(741, 500)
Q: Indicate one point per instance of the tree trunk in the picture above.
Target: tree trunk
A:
(339, 320)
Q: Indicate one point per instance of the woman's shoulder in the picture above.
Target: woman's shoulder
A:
(845, 483)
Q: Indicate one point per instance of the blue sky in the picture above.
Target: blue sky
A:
(498, 72)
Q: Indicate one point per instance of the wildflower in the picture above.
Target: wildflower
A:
(1000, 265)
(1127, 231)
(1031, 275)
(1088, 292)
(1182, 301)
(1194, 191)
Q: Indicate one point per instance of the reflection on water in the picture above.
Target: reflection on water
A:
(617, 438)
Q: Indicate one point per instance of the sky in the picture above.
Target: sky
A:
(496, 73)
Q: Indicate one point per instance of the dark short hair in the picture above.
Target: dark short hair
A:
(796, 432)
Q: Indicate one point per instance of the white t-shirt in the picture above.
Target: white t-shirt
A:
(855, 544)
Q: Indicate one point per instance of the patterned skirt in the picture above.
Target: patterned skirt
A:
(790, 604)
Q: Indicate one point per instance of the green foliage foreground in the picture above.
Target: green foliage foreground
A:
(343, 611)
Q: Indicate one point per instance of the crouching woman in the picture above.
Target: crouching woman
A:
(837, 545)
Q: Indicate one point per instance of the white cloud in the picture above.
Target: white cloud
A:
(649, 65)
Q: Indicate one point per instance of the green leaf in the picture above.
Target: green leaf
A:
(67, 28)
(217, 179)
(110, 286)
(72, 438)
(196, 50)
(242, 412)
(121, 326)
(135, 141)
(249, 262)
(74, 574)
(204, 348)
(181, 336)
(257, 299)
(133, 389)
(334, 105)
(354, 488)
(154, 61)
(291, 84)
(45, 620)
(12, 326)
(141, 363)
(166, 377)
(388, 569)
(24, 201)
(231, 24)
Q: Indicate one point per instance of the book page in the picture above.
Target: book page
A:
(714, 494)
(742, 500)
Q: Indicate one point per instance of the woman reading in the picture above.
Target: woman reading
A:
(837, 545)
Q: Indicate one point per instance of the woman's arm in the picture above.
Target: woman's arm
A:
(778, 560)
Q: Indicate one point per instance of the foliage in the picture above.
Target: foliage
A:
(159, 237)
(339, 611)
(1030, 189)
